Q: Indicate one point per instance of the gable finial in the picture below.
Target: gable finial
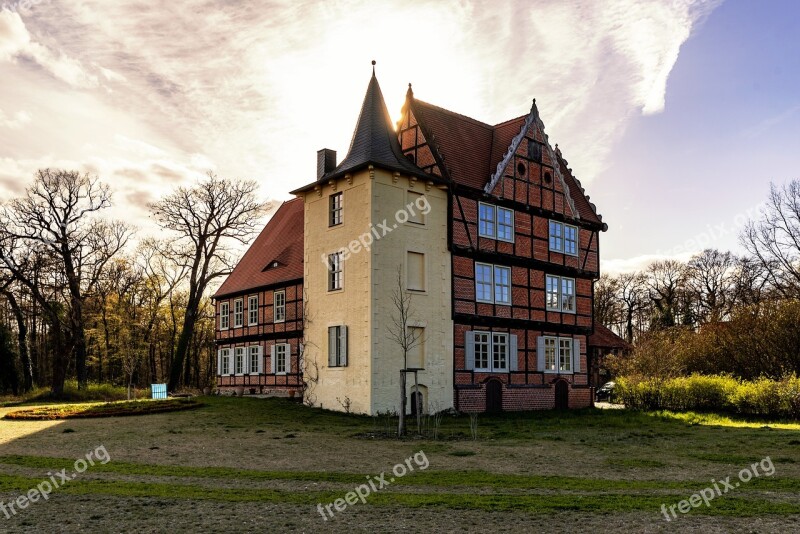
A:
(410, 92)
(373, 67)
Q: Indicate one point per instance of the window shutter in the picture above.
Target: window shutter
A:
(219, 362)
(332, 346)
(288, 358)
(513, 364)
(576, 355)
(260, 359)
(272, 353)
(540, 354)
(344, 346)
(469, 350)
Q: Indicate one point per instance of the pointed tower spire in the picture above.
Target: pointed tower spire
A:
(374, 139)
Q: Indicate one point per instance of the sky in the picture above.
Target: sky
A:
(675, 114)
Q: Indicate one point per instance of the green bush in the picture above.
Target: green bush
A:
(718, 393)
(93, 392)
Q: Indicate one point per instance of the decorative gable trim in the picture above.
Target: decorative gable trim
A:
(532, 119)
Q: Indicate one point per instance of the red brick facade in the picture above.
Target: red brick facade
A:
(529, 184)
(265, 333)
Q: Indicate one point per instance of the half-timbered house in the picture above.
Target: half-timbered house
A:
(500, 269)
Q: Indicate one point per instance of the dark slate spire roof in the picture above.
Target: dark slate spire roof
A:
(374, 139)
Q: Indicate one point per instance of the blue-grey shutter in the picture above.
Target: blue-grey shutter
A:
(272, 367)
(469, 350)
(288, 358)
(343, 334)
(540, 364)
(332, 346)
(260, 359)
(512, 354)
(219, 362)
(576, 355)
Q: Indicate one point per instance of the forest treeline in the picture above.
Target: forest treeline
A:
(87, 297)
(717, 313)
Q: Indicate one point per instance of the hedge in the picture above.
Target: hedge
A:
(761, 397)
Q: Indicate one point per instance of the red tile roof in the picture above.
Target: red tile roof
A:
(281, 240)
(472, 149)
(606, 339)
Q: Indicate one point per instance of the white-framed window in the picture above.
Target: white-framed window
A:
(491, 352)
(502, 285)
(238, 361)
(415, 215)
(279, 306)
(560, 293)
(281, 358)
(483, 282)
(486, 220)
(558, 354)
(563, 238)
(238, 313)
(336, 204)
(499, 352)
(252, 310)
(564, 355)
(495, 222)
(483, 344)
(492, 283)
(505, 224)
(224, 315)
(224, 362)
(550, 353)
(334, 271)
(254, 359)
(337, 346)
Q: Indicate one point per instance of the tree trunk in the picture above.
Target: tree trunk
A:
(401, 426)
(22, 340)
(60, 361)
(181, 351)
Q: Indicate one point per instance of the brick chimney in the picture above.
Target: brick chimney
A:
(326, 161)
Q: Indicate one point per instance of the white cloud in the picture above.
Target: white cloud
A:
(16, 43)
(15, 122)
(254, 89)
(640, 263)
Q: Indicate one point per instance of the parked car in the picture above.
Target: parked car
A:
(605, 392)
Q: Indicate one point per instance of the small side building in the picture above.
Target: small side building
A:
(602, 343)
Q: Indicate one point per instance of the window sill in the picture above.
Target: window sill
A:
(558, 372)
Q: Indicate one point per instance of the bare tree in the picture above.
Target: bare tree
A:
(161, 277)
(207, 219)
(407, 338)
(632, 294)
(606, 301)
(58, 213)
(711, 280)
(8, 290)
(774, 238)
(665, 281)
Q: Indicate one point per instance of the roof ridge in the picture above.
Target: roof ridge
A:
(455, 114)
(499, 124)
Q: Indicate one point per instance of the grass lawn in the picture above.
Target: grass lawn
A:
(263, 465)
